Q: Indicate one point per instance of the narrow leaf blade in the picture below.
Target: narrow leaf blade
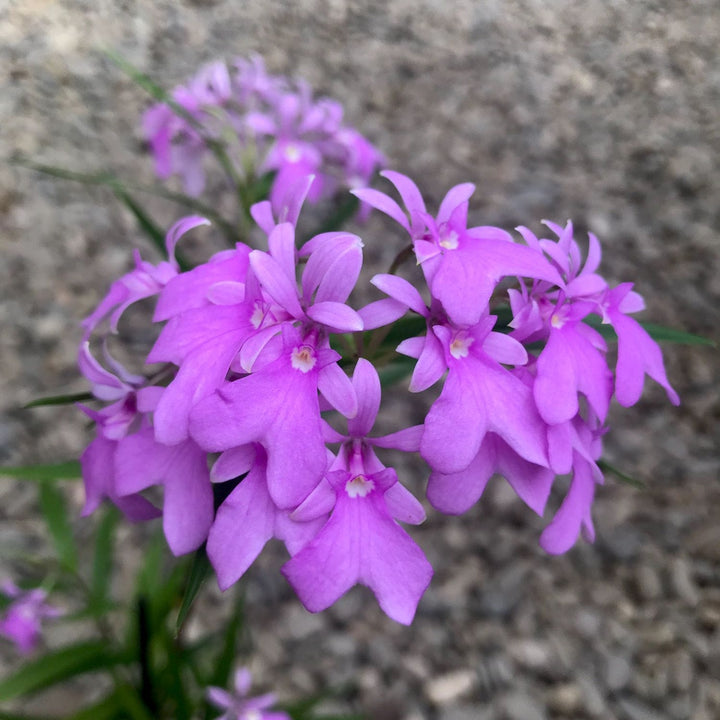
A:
(621, 476)
(58, 666)
(103, 560)
(69, 470)
(59, 400)
(54, 509)
(199, 571)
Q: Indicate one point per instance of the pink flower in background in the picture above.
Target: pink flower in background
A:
(268, 123)
(238, 706)
(22, 619)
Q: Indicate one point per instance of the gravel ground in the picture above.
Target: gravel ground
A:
(606, 112)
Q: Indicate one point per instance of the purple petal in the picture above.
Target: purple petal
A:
(333, 267)
(189, 289)
(179, 229)
(188, 502)
(594, 255)
(401, 290)
(243, 524)
(275, 282)
(254, 345)
(455, 196)
(361, 543)
(560, 535)
(584, 285)
(393, 566)
(638, 354)
(338, 390)
(281, 245)
(504, 349)
(262, 214)
(105, 386)
(531, 482)
(412, 347)
(382, 202)
(226, 292)
(407, 440)
(454, 426)
(431, 365)
(455, 493)
(201, 373)
(366, 382)
(233, 463)
(381, 312)
(466, 277)
(410, 195)
(277, 407)
(317, 504)
(403, 505)
(336, 316)
(555, 388)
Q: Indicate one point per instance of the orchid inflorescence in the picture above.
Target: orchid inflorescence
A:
(253, 388)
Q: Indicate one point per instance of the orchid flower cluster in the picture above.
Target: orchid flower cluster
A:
(21, 622)
(252, 391)
(271, 125)
(237, 706)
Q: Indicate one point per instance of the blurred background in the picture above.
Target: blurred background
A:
(603, 112)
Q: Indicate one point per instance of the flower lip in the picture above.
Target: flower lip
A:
(460, 345)
(449, 240)
(303, 358)
(359, 486)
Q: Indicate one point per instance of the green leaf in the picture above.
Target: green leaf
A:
(199, 571)
(620, 475)
(679, 337)
(406, 327)
(58, 666)
(103, 560)
(54, 509)
(59, 400)
(148, 226)
(216, 147)
(144, 637)
(133, 705)
(656, 332)
(153, 89)
(228, 652)
(396, 371)
(341, 214)
(154, 233)
(171, 683)
(69, 470)
(114, 183)
(109, 708)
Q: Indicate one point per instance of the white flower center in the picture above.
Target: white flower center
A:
(292, 153)
(303, 358)
(460, 346)
(449, 241)
(359, 486)
(252, 715)
(557, 321)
